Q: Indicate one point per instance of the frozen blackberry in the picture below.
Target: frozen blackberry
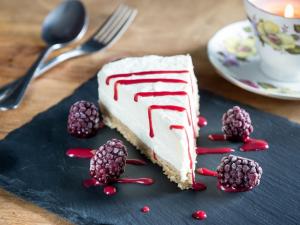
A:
(109, 161)
(237, 124)
(83, 119)
(236, 173)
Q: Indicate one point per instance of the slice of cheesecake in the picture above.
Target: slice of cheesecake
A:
(153, 102)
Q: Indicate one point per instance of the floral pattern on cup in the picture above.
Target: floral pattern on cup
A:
(237, 49)
(278, 37)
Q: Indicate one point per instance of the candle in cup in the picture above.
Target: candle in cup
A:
(288, 8)
(289, 11)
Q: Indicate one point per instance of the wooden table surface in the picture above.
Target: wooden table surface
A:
(162, 27)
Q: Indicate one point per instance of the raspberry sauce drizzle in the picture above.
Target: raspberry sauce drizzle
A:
(143, 73)
(203, 150)
(89, 153)
(109, 190)
(140, 81)
(199, 215)
(202, 122)
(163, 107)
(80, 153)
(176, 127)
(251, 144)
(167, 93)
(144, 181)
(217, 137)
(91, 183)
(137, 162)
(158, 94)
(207, 172)
(197, 186)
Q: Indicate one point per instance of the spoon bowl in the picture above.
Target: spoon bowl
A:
(65, 24)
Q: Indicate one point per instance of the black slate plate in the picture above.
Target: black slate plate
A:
(33, 165)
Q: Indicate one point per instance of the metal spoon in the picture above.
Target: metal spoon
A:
(63, 25)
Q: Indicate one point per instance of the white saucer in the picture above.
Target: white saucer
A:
(233, 53)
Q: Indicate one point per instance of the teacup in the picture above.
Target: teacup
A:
(277, 37)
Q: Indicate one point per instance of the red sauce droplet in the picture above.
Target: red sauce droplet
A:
(145, 209)
(145, 181)
(251, 144)
(198, 186)
(202, 122)
(137, 162)
(91, 183)
(80, 153)
(207, 172)
(202, 150)
(109, 190)
(199, 215)
(217, 137)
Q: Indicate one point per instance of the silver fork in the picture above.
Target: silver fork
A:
(104, 37)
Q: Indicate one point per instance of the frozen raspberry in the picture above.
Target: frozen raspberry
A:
(84, 119)
(237, 124)
(109, 161)
(238, 174)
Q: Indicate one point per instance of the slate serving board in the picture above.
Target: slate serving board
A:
(33, 165)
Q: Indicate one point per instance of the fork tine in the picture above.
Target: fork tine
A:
(114, 23)
(106, 25)
(126, 18)
(118, 33)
